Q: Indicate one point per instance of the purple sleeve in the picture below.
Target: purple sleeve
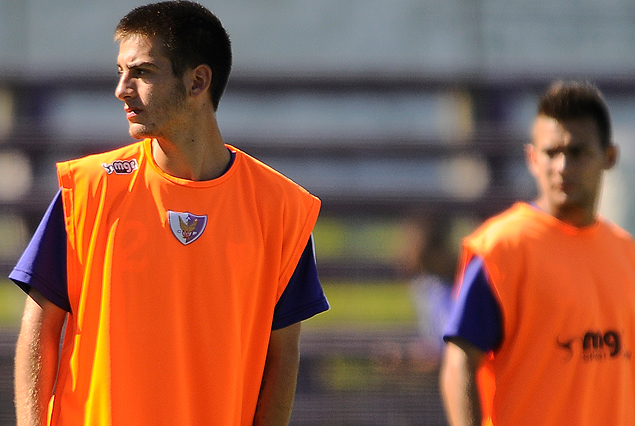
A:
(476, 316)
(42, 265)
(303, 297)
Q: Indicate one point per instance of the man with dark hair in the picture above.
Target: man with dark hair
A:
(189, 34)
(544, 324)
(175, 271)
(567, 101)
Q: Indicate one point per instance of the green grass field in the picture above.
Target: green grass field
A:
(354, 305)
(363, 305)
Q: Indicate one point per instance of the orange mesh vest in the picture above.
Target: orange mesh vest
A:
(567, 297)
(173, 285)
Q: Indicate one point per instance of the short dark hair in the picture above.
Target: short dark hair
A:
(191, 35)
(567, 100)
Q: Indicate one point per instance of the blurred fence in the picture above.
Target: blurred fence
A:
(400, 111)
(367, 379)
(345, 379)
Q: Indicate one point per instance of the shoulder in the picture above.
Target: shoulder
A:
(128, 151)
(616, 235)
(255, 166)
(508, 228)
(266, 178)
(122, 160)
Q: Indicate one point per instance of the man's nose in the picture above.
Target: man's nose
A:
(124, 87)
(561, 162)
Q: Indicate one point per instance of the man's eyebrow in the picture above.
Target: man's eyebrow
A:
(138, 64)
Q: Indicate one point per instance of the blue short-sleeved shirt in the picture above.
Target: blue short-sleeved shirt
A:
(43, 266)
(476, 316)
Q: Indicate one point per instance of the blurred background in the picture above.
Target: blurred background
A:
(406, 117)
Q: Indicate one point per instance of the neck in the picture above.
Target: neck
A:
(200, 155)
(576, 216)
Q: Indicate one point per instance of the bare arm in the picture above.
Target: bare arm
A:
(280, 376)
(458, 383)
(36, 358)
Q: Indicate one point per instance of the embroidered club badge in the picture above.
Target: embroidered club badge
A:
(186, 227)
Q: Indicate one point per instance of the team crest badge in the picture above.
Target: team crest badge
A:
(186, 227)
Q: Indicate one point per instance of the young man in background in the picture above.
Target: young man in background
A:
(544, 325)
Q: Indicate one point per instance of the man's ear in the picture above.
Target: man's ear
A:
(612, 154)
(530, 157)
(201, 80)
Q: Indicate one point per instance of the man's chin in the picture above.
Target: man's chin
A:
(567, 202)
(559, 200)
(137, 131)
